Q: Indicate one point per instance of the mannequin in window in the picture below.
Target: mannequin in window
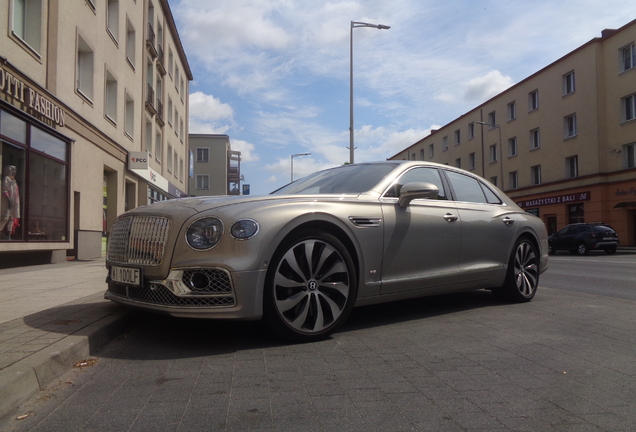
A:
(10, 204)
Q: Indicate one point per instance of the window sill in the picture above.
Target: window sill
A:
(83, 95)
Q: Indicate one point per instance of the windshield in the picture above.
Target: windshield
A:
(346, 179)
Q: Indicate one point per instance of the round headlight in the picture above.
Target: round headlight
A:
(244, 229)
(204, 233)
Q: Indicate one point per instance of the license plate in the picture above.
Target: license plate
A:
(126, 275)
(608, 238)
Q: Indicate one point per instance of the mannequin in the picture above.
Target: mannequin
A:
(10, 205)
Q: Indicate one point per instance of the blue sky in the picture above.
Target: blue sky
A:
(274, 74)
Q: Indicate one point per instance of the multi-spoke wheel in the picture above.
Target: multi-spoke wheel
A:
(311, 287)
(582, 249)
(522, 279)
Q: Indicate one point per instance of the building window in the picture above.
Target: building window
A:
(572, 166)
(493, 180)
(169, 158)
(492, 118)
(513, 180)
(535, 175)
(84, 70)
(512, 146)
(169, 110)
(458, 162)
(471, 161)
(110, 98)
(628, 57)
(181, 170)
(158, 146)
(175, 160)
(445, 143)
(533, 100)
(170, 62)
(629, 107)
(431, 151)
(131, 43)
(148, 142)
(203, 181)
(569, 126)
(27, 22)
(176, 121)
(112, 18)
(568, 83)
(535, 139)
(181, 135)
(182, 89)
(628, 151)
(203, 154)
(458, 137)
(176, 78)
(512, 110)
(471, 130)
(422, 154)
(493, 153)
(129, 124)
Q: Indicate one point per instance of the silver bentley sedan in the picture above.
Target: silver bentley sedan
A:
(302, 257)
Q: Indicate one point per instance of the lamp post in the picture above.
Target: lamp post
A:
(292, 162)
(355, 24)
(493, 125)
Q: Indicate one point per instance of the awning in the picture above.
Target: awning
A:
(625, 204)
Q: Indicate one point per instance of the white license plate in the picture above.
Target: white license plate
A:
(608, 238)
(126, 275)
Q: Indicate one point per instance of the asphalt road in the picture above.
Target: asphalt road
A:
(463, 362)
(596, 273)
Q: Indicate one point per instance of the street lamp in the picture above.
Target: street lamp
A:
(355, 24)
(292, 162)
(493, 125)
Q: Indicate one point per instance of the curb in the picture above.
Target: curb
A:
(25, 378)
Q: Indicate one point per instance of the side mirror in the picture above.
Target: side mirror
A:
(416, 190)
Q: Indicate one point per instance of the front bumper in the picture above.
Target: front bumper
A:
(237, 295)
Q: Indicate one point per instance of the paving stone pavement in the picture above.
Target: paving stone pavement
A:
(563, 362)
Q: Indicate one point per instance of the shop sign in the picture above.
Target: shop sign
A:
(557, 199)
(138, 160)
(626, 192)
(35, 103)
(175, 191)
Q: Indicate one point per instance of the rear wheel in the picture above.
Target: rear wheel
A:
(582, 249)
(522, 278)
(311, 287)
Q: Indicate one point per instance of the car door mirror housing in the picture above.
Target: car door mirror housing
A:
(416, 190)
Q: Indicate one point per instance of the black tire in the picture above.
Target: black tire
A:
(582, 249)
(610, 251)
(310, 288)
(522, 277)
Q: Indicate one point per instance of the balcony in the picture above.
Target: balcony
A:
(150, 99)
(150, 41)
(160, 59)
(159, 107)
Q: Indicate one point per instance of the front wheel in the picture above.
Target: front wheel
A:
(310, 288)
(522, 278)
(582, 249)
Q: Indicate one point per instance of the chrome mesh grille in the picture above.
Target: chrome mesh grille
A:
(138, 240)
(160, 295)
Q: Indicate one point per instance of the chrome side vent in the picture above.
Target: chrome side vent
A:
(365, 222)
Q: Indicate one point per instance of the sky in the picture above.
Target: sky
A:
(273, 75)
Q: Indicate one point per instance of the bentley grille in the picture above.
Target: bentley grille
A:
(138, 240)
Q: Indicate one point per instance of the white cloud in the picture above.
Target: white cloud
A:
(246, 149)
(486, 86)
(208, 108)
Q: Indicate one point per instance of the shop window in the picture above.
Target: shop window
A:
(47, 198)
(12, 200)
(27, 22)
(576, 213)
(47, 144)
(12, 127)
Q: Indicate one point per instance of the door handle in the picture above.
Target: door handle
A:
(449, 217)
(508, 221)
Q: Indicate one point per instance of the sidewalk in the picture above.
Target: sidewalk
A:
(51, 316)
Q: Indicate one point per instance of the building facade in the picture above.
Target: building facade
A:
(561, 142)
(93, 109)
(216, 168)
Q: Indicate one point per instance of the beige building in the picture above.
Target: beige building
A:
(93, 118)
(216, 168)
(561, 142)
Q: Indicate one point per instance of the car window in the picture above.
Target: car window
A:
(466, 188)
(491, 197)
(426, 175)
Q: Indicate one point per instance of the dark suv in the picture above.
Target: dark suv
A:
(580, 238)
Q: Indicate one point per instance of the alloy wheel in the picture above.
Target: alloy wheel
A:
(526, 269)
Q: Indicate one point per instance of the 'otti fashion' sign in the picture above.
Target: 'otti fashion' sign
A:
(557, 199)
(34, 101)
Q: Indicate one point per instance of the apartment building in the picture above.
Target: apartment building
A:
(561, 142)
(216, 168)
(93, 121)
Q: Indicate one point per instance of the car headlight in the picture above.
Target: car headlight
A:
(244, 229)
(204, 233)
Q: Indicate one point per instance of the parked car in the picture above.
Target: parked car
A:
(581, 238)
(302, 257)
